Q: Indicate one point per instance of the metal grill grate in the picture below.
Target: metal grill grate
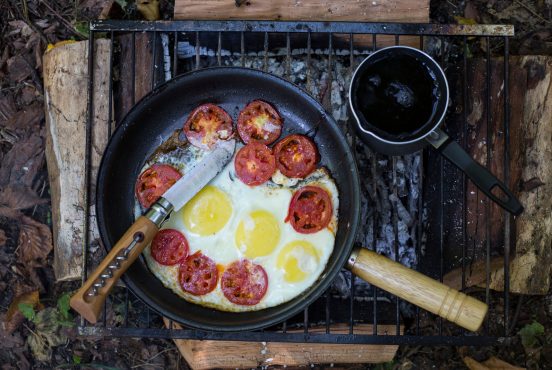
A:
(235, 35)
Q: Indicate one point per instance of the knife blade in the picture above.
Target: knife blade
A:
(200, 175)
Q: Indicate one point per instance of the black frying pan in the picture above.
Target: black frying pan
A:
(165, 109)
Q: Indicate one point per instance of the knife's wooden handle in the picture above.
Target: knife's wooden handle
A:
(418, 289)
(141, 232)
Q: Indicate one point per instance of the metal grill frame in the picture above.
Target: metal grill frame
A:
(174, 28)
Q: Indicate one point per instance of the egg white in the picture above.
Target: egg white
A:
(221, 246)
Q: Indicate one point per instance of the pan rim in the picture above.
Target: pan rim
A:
(327, 277)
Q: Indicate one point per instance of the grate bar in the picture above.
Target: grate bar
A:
(489, 154)
(507, 216)
(154, 60)
(429, 29)
(268, 336)
(132, 324)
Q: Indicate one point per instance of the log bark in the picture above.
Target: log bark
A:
(66, 94)
(530, 269)
(530, 173)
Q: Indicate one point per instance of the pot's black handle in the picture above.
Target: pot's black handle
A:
(480, 176)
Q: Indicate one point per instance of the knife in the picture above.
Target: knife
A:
(88, 300)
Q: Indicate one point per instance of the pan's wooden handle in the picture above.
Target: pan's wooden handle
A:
(137, 237)
(417, 288)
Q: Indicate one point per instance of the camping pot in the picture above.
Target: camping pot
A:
(399, 98)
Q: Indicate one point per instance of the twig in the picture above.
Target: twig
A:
(25, 9)
(147, 362)
(532, 11)
(65, 22)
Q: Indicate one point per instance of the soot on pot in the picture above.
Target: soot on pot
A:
(397, 96)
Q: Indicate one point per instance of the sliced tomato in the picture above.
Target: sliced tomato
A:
(206, 125)
(310, 210)
(255, 164)
(169, 247)
(259, 122)
(198, 274)
(244, 283)
(154, 181)
(296, 156)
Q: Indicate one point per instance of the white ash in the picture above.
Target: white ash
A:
(380, 199)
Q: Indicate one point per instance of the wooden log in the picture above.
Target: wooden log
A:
(475, 274)
(530, 167)
(66, 95)
(208, 354)
(530, 269)
(413, 11)
(405, 11)
(143, 71)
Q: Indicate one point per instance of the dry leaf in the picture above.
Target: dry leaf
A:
(23, 161)
(27, 117)
(3, 238)
(492, 363)
(14, 317)
(20, 197)
(48, 333)
(18, 68)
(149, 9)
(7, 107)
(8, 340)
(35, 242)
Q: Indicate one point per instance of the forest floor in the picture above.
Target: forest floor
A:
(36, 321)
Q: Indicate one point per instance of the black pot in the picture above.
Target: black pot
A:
(399, 98)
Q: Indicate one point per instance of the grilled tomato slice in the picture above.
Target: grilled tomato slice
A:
(254, 164)
(198, 274)
(296, 156)
(259, 122)
(206, 125)
(244, 283)
(310, 210)
(169, 247)
(154, 181)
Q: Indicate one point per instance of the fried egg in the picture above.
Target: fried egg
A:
(228, 221)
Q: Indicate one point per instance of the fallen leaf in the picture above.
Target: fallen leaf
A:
(18, 68)
(149, 9)
(530, 335)
(20, 197)
(28, 95)
(7, 107)
(5, 57)
(27, 117)
(9, 340)
(48, 333)
(35, 242)
(465, 21)
(23, 161)
(492, 363)
(3, 238)
(20, 27)
(14, 317)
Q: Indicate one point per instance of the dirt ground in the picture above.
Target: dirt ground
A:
(36, 321)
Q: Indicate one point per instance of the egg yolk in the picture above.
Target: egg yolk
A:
(257, 234)
(298, 259)
(207, 212)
